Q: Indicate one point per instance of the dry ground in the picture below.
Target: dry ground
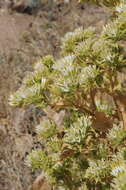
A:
(24, 39)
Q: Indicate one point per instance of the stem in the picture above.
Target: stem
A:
(121, 103)
(92, 95)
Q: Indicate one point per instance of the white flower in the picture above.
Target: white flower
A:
(65, 65)
(43, 82)
(117, 170)
(88, 73)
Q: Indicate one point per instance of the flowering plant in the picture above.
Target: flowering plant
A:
(84, 97)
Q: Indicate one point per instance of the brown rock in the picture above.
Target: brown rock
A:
(23, 5)
(23, 144)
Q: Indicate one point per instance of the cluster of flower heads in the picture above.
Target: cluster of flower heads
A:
(79, 158)
(76, 153)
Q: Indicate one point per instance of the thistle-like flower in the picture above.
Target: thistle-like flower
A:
(78, 131)
(117, 135)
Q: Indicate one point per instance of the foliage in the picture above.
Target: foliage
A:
(83, 95)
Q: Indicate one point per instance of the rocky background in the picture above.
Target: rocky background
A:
(30, 29)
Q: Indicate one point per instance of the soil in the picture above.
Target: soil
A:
(25, 38)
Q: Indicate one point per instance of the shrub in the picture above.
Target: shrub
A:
(84, 97)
